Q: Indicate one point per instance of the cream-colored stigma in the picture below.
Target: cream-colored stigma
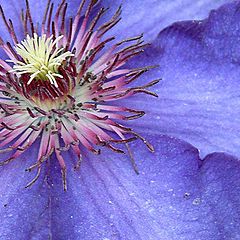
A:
(41, 58)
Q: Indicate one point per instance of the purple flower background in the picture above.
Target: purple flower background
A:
(179, 194)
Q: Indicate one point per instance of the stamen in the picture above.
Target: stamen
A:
(35, 178)
(29, 16)
(41, 58)
(62, 86)
(45, 15)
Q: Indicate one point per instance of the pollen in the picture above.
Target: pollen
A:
(41, 58)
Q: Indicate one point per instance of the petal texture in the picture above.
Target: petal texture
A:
(150, 16)
(199, 94)
(172, 198)
(24, 212)
(147, 16)
(176, 195)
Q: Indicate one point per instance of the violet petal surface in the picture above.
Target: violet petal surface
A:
(199, 94)
(172, 198)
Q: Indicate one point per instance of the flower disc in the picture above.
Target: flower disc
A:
(61, 85)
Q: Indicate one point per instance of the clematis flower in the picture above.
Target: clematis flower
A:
(177, 195)
(57, 89)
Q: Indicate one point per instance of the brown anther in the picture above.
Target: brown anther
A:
(123, 140)
(7, 127)
(45, 14)
(4, 19)
(96, 151)
(149, 146)
(138, 115)
(69, 35)
(111, 23)
(21, 148)
(130, 39)
(71, 98)
(31, 113)
(79, 161)
(40, 111)
(62, 27)
(114, 149)
(132, 159)
(35, 178)
(145, 91)
(13, 51)
(12, 32)
(6, 109)
(49, 18)
(35, 128)
(95, 20)
(28, 13)
(64, 178)
(6, 150)
(5, 162)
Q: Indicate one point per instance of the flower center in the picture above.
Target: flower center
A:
(67, 99)
(41, 58)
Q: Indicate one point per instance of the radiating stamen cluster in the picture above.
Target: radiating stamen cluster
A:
(41, 58)
(63, 87)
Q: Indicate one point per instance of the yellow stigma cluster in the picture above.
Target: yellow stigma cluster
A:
(41, 58)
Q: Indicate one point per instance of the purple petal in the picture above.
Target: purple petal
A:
(150, 16)
(12, 10)
(24, 212)
(199, 94)
(170, 197)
